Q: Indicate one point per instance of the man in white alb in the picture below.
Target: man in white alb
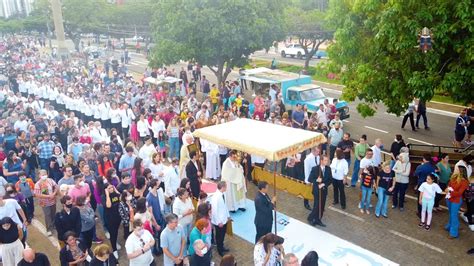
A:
(233, 175)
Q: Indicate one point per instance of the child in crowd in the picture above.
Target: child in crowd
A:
(161, 144)
(367, 184)
(428, 190)
(26, 187)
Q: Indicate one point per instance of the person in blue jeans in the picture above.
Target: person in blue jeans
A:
(456, 187)
(359, 153)
(173, 141)
(402, 170)
(384, 186)
(367, 183)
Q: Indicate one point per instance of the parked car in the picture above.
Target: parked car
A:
(293, 50)
(320, 54)
(138, 38)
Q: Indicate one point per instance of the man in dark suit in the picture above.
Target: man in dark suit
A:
(194, 173)
(321, 177)
(264, 211)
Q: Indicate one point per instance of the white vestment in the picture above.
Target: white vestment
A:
(213, 165)
(233, 175)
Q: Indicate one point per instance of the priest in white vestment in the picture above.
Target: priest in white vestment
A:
(233, 175)
(213, 165)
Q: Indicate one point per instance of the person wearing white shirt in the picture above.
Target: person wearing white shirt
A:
(127, 116)
(339, 168)
(183, 207)
(104, 108)
(146, 151)
(156, 167)
(171, 179)
(322, 116)
(139, 245)
(115, 118)
(377, 152)
(98, 134)
(220, 216)
(311, 160)
(366, 161)
(157, 125)
(204, 110)
(87, 111)
(21, 125)
(96, 110)
(143, 128)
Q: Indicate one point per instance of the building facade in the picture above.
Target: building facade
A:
(9, 8)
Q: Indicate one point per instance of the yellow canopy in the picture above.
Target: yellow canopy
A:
(273, 142)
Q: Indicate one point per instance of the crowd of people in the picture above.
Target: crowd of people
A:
(119, 155)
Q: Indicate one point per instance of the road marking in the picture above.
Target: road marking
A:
(346, 214)
(346, 121)
(420, 141)
(419, 242)
(376, 129)
(450, 104)
(42, 229)
(442, 112)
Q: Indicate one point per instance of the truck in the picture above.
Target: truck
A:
(294, 88)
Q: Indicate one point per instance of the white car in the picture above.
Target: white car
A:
(293, 50)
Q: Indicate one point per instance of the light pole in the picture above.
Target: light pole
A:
(59, 28)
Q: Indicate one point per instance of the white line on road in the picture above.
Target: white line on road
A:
(420, 141)
(419, 242)
(442, 112)
(40, 227)
(346, 121)
(376, 129)
(346, 214)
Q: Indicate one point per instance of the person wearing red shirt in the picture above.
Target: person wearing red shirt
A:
(104, 165)
(456, 187)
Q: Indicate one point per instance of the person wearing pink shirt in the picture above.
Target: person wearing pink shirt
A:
(80, 189)
(258, 101)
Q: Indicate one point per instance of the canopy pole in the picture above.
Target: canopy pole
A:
(274, 194)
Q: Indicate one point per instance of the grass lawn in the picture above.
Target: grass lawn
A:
(445, 99)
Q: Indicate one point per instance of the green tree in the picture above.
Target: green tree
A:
(220, 34)
(11, 26)
(80, 16)
(376, 46)
(310, 29)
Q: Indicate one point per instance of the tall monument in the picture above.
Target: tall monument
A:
(59, 28)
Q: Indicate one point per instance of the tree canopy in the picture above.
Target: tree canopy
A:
(376, 46)
(220, 34)
(310, 27)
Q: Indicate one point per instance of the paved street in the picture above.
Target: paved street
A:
(262, 55)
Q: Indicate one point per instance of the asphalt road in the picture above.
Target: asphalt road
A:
(382, 125)
(285, 60)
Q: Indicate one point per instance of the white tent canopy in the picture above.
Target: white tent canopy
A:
(273, 142)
